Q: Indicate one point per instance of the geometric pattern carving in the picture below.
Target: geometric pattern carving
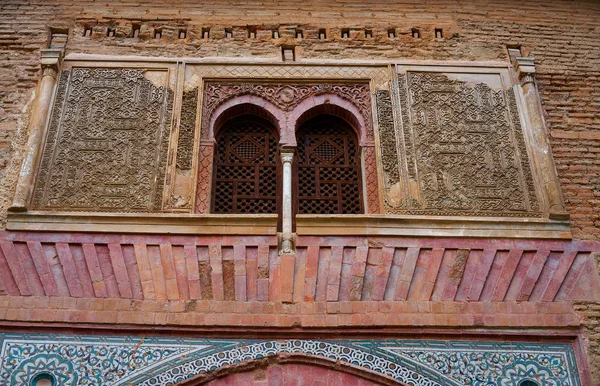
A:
(372, 181)
(328, 168)
(185, 143)
(119, 360)
(246, 167)
(464, 149)
(203, 183)
(107, 143)
(379, 75)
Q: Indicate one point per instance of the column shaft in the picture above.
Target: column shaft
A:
(37, 122)
(543, 154)
(287, 245)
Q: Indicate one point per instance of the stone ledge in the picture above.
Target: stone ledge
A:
(437, 226)
(327, 225)
(162, 223)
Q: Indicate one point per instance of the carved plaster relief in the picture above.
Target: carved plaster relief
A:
(187, 127)
(107, 141)
(464, 147)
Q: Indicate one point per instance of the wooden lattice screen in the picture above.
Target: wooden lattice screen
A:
(246, 167)
(328, 168)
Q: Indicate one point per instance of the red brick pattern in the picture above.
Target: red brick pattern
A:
(324, 269)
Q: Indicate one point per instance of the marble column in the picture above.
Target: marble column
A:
(542, 155)
(37, 124)
(287, 239)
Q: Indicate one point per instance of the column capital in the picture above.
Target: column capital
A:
(51, 60)
(287, 154)
(525, 68)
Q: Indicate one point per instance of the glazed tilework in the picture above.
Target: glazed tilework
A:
(127, 360)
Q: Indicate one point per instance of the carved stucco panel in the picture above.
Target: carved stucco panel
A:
(464, 149)
(107, 142)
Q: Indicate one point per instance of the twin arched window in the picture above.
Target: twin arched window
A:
(247, 174)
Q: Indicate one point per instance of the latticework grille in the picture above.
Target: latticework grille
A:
(246, 171)
(328, 168)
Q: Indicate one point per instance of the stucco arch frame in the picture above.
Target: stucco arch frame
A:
(247, 104)
(288, 122)
(330, 104)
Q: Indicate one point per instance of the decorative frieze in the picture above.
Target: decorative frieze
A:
(389, 148)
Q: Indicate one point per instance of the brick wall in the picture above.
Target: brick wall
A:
(566, 50)
(563, 36)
